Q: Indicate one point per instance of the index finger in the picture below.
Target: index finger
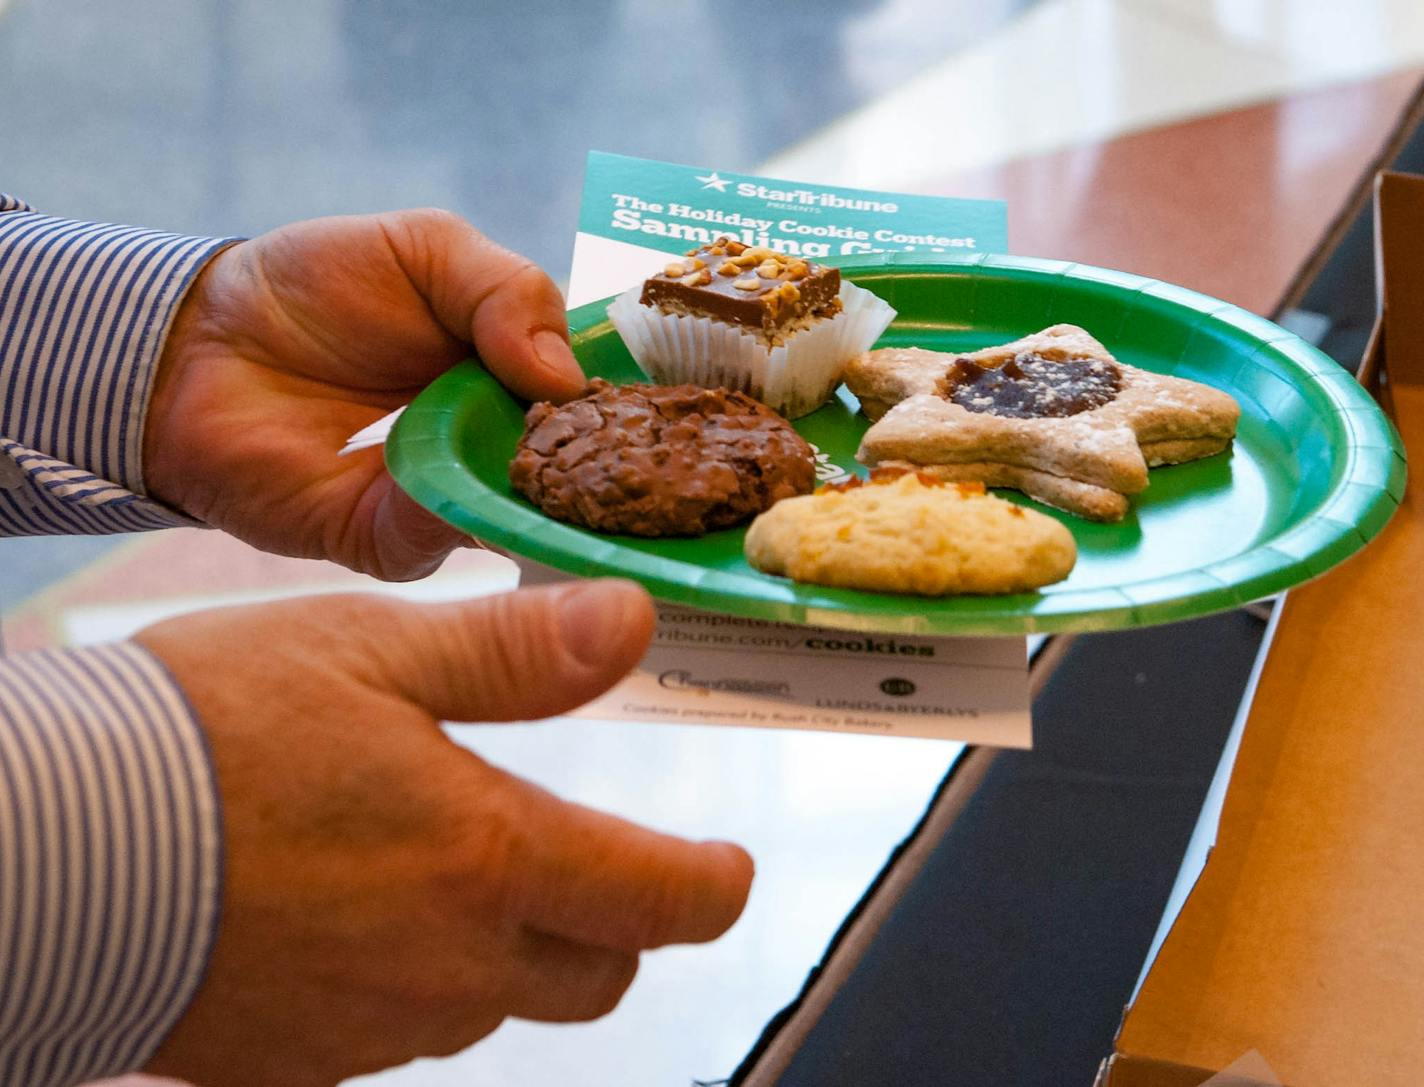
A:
(594, 878)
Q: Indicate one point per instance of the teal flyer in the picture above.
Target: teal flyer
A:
(636, 210)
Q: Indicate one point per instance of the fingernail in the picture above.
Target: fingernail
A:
(553, 351)
(591, 617)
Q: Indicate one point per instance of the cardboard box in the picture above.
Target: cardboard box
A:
(1297, 957)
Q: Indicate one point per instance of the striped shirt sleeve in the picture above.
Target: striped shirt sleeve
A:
(84, 309)
(110, 834)
(110, 862)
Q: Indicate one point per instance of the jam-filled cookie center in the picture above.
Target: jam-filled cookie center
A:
(1030, 386)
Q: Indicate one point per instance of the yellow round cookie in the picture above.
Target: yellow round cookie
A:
(911, 535)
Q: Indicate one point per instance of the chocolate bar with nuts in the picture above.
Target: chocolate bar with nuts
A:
(764, 291)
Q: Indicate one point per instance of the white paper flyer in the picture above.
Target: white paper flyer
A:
(633, 210)
(713, 669)
(705, 668)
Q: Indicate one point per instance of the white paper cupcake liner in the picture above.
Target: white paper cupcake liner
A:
(793, 379)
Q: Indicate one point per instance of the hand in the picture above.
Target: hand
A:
(388, 894)
(287, 344)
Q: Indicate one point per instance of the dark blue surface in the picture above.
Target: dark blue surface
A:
(1009, 959)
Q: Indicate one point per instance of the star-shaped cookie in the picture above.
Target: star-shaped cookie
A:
(1053, 415)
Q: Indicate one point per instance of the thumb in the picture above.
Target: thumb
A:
(518, 656)
(484, 294)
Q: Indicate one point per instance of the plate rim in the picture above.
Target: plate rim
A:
(1355, 510)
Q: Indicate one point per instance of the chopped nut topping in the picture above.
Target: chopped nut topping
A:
(798, 269)
(745, 285)
(882, 476)
(840, 488)
(890, 474)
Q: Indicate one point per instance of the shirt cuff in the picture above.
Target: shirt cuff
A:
(84, 312)
(110, 862)
(42, 496)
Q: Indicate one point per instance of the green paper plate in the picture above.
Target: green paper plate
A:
(1315, 472)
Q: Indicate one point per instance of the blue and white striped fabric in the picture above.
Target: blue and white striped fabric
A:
(83, 311)
(110, 837)
(109, 863)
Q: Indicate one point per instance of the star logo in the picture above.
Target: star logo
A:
(712, 181)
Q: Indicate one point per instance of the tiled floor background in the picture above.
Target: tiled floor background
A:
(231, 116)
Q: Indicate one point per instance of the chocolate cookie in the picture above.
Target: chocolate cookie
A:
(653, 460)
